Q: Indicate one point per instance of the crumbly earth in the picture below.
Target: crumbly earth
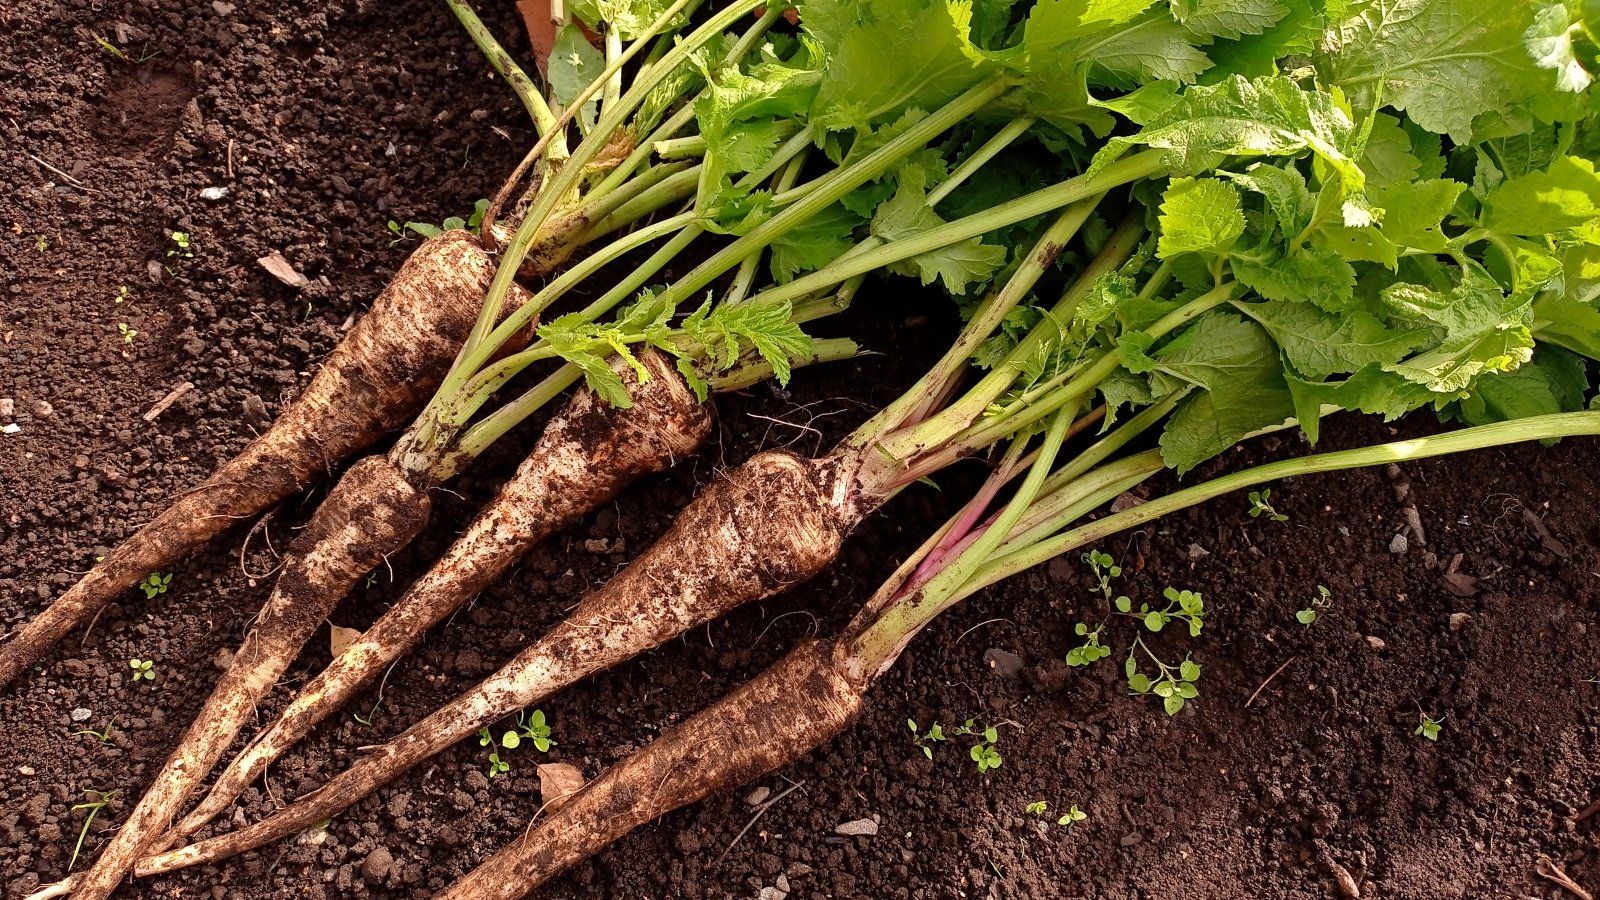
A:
(1296, 768)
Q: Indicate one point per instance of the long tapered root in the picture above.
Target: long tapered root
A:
(588, 453)
(770, 721)
(774, 521)
(373, 382)
(373, 511)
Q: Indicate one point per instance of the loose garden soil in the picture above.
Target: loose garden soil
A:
(1296, 775)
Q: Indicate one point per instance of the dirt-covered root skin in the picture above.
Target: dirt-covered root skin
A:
(766, 525)
(373, 511)
(768, 722)
(375, 380)
(589, 451)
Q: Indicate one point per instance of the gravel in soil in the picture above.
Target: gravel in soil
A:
(267, 127)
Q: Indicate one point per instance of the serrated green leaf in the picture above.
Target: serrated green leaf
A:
(1320, 344)
(1199, 215)
(1295, 34)
(815, 243)
(1443, 62)
(1268, 116)
(1549, 42)
(1229, 19)
(1236, 364)
(1568, 323)
(892, 56)
(957, 265)
(1151, 48)
(1554, 381)
(1285, 191)
(1370, 390)
(1565, 195)
(1312, 274)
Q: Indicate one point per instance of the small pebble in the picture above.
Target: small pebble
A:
(758, 796)
(782, 883)
(1399, 544)
(1457, 620)
(1375, 642)
(1197, 553)
(857, 827)
(213, 193)
(771, 893)
(377, 865)
(223, 9)
(81, 715)
(8, 407)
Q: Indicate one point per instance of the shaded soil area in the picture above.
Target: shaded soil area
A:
(268, 127)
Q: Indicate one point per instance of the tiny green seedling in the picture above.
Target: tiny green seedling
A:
(180, 245)
(1091, 651)
(145, 55)
(94, 807)
(497, 766)
(533, 728)
(1261, 505)
(935, 735)
(1072, 816)
(143, 669)
(1036, 808)
(122, 294)
(429, 230)
(43, 243)
(1105, 568)
(1430, 727)
(1184, 606)
(1175, 685)
(983, 752)
(155, 585)
(1323, 602)
(103, 735)
(128, 333)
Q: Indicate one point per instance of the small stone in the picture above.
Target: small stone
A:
(597, 545)
(797, 870)
(771, 893)
(81, 715)
(782, 883)
(1457, 620)
(1197, 553)
(1003, 662)
(213, 193)
(1375, 642)
(8, 407)
(377, 865)
(1399, 544)
(27, 770)
(758, 796)
(857, 827)
(11, 428)
(283, 270)
(1125, 501)
(222, 8)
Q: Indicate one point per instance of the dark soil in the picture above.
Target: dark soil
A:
(324, 121)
